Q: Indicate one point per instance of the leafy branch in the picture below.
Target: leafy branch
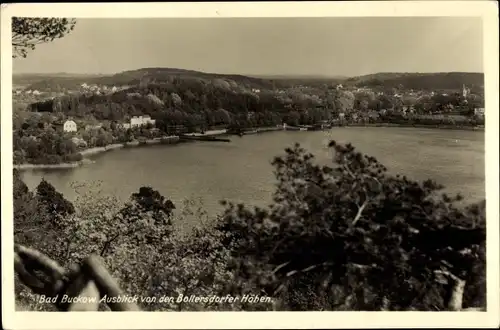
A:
(28, 32)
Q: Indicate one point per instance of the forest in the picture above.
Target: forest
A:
(422, 81)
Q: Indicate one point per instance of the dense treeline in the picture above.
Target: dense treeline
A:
(348, 236)
(189, 96)
(220, 102)
(192, 103)
(421, 81)
(41, 139)
(434, 120)
(46, 147)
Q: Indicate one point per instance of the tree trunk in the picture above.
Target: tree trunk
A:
(457, 293)
(385, 304)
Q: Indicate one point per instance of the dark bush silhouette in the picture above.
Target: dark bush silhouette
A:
(53, 201)
(149, 199)
(352, 236)
(349, 236)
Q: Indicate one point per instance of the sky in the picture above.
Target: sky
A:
(330, 46)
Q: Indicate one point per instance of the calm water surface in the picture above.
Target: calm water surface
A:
(241, 170)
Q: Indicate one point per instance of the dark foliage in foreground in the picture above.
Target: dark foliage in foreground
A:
(352, 236)
(53, 201)
(28, 32)
(343, 237)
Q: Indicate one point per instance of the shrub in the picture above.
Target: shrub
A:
(36, 220)
(136, 242)
(352, 236)
(73, 157)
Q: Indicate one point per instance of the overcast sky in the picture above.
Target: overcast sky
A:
(265, 46)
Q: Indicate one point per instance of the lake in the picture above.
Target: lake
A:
(241, 171)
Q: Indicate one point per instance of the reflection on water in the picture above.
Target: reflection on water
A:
(241, 170)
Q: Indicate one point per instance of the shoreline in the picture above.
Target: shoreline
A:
(174, 139)
(448, 127)
(98, 150)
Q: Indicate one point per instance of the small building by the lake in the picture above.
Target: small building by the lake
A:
(479, 111)
(137, 121)
(93, 127)
(69, 126)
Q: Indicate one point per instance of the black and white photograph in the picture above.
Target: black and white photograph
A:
(232, 163)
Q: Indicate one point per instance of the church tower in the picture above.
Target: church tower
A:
(465, 91)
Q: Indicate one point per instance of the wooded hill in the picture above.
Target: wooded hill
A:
(144, 76)
(25, 80)
(428, 81)
(424, 81)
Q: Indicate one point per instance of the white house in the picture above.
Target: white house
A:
(479, 111)
(69, 126)
(93, 127)
(363, 89)
(141, 121)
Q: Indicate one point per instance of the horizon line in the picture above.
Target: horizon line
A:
(251, 75)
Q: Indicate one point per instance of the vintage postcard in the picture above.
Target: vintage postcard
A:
(297, 160)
